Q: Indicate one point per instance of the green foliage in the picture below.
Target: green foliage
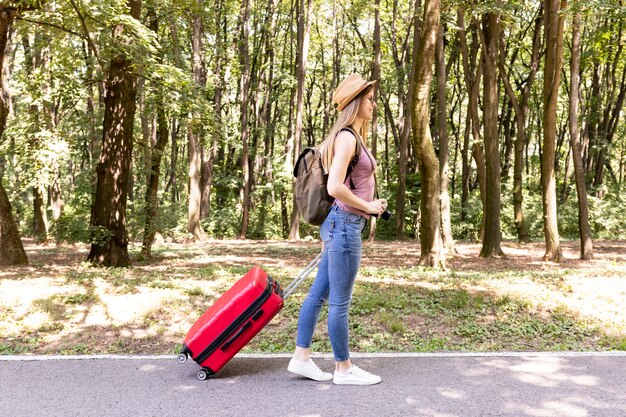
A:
(58, 73)
(70, 227)
(100, 235)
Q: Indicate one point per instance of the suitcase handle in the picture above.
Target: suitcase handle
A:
(305, 273)
(235, 336)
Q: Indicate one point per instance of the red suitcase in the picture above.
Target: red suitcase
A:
(235, 318)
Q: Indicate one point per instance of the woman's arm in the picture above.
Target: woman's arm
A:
(344, 151)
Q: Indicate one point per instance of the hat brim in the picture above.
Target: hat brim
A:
(352, 96)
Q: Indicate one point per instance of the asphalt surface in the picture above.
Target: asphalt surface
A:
(446, 385)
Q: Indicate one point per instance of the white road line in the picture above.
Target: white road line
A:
(26, 358)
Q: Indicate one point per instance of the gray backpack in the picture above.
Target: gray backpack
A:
(312, 196)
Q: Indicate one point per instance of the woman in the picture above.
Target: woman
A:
(341, 234)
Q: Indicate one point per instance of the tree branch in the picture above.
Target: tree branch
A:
(87, 36)
(62, 28)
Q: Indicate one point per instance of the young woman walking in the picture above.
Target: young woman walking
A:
(341, 234)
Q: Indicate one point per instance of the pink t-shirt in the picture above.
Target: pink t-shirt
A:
(363, 179)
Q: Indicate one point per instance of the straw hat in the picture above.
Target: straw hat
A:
(348, 89)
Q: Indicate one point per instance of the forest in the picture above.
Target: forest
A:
(128, 121)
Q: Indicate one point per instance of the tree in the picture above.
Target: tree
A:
(405, 130)
(428, 163)
(304, 29)
(490, 36)
(11, 250)
(472, 77)
(442, 123)
(521, 114)
(586, 243)
(554, 22)
(375, 76)
(37, 61)
(109, 236)
(196, 129)
(244, 62)
(154, 169)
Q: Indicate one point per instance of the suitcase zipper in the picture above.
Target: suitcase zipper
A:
(237, 323)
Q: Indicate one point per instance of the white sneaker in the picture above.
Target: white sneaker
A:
(308, 369)
(355, 376)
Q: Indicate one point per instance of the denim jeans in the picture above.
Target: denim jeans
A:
(337, 270)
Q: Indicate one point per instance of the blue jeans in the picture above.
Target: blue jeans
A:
(341, 234)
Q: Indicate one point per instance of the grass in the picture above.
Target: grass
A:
(517, 303)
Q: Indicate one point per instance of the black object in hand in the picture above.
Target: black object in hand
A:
(385, 216)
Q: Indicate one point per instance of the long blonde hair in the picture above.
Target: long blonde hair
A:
(346, 118)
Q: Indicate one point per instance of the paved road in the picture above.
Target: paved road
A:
(533, 385)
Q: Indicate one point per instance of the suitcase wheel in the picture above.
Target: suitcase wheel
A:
(182, 357)
(203, 374)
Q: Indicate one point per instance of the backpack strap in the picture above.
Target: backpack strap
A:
(355, 158)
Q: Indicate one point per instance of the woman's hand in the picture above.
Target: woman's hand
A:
(377, 207)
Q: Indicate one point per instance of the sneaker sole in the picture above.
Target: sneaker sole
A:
(360, 383)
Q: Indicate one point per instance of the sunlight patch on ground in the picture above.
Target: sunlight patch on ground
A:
(544, 372)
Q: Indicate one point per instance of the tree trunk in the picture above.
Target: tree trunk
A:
(267, 124)
(108, 215)
(244, 62)
(405, 131)
(442, 122)
(552, 76)
(152, 202)
(375, 76)
(194, 229)
(586, 243)
(56, 197)
(154, 171)
(40, 219)
(521, 112)
(304, 29)
(472, 83)
(490, 35)
(290, 155)
(430, 238)
(37, 59)
(506, 130)
(172, 185)
(11, 250)
(219, 71)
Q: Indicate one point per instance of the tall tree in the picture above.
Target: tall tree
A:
(586, 243)
(244, 62)
(428, 163)
(11, 250)
(304, 31)
(490, 36)
(108, 216)
(219, 71)
(554, 22)
(195, 127)
(156, 154)
(375, 76)
(37, 61)
(405, 129)
(442, 127)
(473, 74)
(521, 114)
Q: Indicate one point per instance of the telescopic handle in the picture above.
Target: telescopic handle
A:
(298, 280)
